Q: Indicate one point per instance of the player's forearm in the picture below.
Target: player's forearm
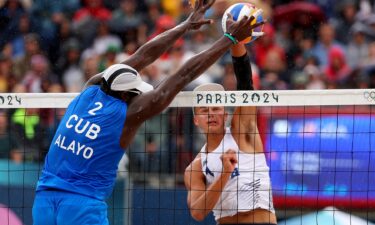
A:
(203, 205)
(154, 48)
(242, 70)
(238, 50)
(200, 63)
(193, 68)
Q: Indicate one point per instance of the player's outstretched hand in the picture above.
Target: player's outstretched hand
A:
(196, 18)
(241, 29)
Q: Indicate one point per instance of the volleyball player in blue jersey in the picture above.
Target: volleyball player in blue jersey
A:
(100, 123)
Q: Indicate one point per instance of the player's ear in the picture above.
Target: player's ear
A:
(195, 120)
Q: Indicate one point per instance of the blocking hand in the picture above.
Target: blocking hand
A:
(196, 18)
(241, 29)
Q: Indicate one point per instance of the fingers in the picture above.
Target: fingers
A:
(200, 3)
(229, 20)
(249, 19)
(258, 13)
(257, 25)
(196, 4)
(209, 21)
(245, 20)
(198, 24)
(257, 34)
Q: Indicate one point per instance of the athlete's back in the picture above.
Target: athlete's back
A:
(85, 152)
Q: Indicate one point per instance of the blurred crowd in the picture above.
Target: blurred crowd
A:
(56, 46)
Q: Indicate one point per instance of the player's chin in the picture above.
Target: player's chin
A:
(214, 128)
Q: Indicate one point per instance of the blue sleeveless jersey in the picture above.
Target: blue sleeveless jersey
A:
(85, 151)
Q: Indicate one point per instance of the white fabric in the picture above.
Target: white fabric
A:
(250, 190)
(126, 81)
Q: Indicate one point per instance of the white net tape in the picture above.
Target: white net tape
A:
(227, 98)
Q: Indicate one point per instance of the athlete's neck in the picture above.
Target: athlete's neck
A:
(214, 140)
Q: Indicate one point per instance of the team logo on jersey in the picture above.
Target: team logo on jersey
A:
(235, 173)
(209, 172)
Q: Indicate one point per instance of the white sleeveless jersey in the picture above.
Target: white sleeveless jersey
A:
(248, 188)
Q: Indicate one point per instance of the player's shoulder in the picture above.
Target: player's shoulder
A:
(195, 165)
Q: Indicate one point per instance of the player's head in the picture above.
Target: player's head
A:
(123, 82)
(210, 119)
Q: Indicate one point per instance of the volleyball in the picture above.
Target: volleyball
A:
(238, 11)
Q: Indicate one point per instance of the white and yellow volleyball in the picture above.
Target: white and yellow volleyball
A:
(238, 11)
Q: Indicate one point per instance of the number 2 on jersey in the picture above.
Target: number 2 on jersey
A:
(99, 106)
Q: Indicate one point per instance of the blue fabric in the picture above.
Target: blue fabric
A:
(64, 208)
(85, 151)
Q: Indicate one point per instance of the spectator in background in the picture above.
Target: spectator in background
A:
(70, 7)
(86, 20)
(10, 14)
(275, 63)
(315, 78)
(29, 133)
(163, 23)
(7, 79)
(171, 8)
(265, 45)
(64, 35)
(358, 46)
(22, 63)
(89, 63)
(325, 42)
(104, 39)
(47, 15)
(152, 14)
(149, 147)
(128, 49)
(18, 41)
(7, 50)
(369, 61)
(109, 58)
(345, 19)
(198, 41)
(69, 68)
(127, 22)
(177, 56)
(152, 74)
(39, 77)
(337, 71)
(9, 148)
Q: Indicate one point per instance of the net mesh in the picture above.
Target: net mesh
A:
(319, 146)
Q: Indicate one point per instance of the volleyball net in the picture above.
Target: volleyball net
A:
(319, 146)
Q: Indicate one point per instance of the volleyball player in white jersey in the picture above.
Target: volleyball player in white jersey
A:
(230, 176)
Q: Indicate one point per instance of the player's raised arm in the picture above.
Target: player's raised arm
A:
(154, 48)
(150, 51)
(244, 120)
(152, 103)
